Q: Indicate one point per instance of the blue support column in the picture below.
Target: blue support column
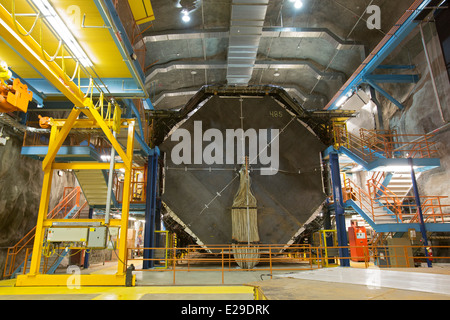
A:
(339, 209)
(423, 230)
(86, 253)
(150, 210)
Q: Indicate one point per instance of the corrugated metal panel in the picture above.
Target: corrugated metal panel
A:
(247, 20)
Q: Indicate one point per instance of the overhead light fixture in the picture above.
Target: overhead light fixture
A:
(49, 13)
(186, 17)
(276, 74)
(298, 4)
(341, 101)
(394, 168)
(356, 169)
(344, 99)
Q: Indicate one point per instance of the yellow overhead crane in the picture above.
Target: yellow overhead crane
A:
(59, 132)
(13, 97)
(16, 36)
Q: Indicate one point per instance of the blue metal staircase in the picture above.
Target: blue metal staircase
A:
(385, 212)
(382, 208)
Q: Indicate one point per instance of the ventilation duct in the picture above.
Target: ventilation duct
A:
(247, 20)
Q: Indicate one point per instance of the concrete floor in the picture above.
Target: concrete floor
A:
(353, 283)
(360, 284)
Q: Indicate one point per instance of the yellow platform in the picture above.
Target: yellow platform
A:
(8, 291)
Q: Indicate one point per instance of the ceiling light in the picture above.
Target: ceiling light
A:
(298, 4)
(186, 17)
(344, 99)
(61, 29)
(394, 168)
(276, 74)
(341, 101)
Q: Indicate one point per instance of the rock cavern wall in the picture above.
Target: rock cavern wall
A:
(20, 190)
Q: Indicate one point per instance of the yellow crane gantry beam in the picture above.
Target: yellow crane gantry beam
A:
(32, 52)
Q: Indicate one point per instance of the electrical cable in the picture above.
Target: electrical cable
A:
(113, 246)
(13, 14)
(48, 249)
(265, 274)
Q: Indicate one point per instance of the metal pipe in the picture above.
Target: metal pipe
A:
(433, 81)
(110, 182)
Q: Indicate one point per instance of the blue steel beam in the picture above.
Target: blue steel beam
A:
(114, 24)
(150, 210)
(118, 87)
(139, 136)
(339, 209)
(87, 252)
(384, 93)
(423, 229)
(393, 78)
(397, 66)
(394, 37)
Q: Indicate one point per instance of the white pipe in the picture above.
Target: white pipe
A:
(110, 182)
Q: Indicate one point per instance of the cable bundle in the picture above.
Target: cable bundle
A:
(245, 224)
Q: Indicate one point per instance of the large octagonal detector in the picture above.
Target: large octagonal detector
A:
(205, 152)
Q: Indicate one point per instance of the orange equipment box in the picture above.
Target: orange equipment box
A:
(357, 237)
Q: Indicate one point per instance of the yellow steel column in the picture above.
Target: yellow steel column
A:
(121, 268)
(54, 145)
(43, 211)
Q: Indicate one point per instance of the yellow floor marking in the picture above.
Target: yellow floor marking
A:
(121, 293)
